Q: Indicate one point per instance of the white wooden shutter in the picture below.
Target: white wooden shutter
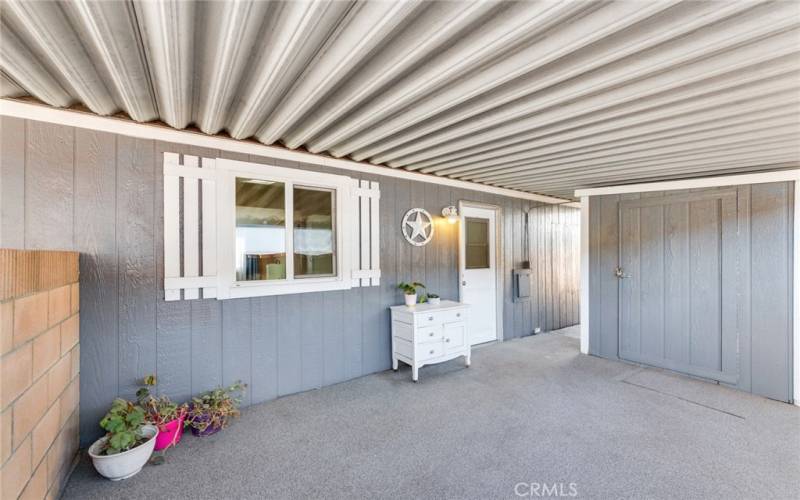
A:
(196, 245)
(366, 247)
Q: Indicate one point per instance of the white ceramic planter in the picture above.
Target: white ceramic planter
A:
(434, 301)
(126, 464)
(411, 300)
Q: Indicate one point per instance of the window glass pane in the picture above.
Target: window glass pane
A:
(260, 230)
(477, 243)
(314, 232)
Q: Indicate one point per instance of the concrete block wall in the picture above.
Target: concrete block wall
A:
(39, 371)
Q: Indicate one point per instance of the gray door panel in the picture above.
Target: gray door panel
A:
(677, 283)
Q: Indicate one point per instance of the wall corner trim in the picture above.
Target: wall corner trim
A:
(695, 183)
(584, 314)
(124, 126)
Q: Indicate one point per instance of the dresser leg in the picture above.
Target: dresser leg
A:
(467, 360)
(414, 373)
(394, 364)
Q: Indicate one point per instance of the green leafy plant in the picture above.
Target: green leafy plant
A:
(214, 408)
(410, 288)
(123, 426)
(159, 410)
(432, 296)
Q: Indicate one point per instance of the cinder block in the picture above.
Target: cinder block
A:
(46, 351)
(75, 299)
(6, 326)
(16, 471)
(59, 304)
(59, 457)
(45, 432)
(59, 377)
(69, 401)
(16, 370)
(37, 486)
(29, 408)
(69, 333)
(76, 361)
(30, 317)
(5, 435)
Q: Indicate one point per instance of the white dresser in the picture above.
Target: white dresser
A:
(426, 334)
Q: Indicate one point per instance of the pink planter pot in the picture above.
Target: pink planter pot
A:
(169, 434)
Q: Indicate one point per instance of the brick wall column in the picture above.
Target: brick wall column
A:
(39, 371)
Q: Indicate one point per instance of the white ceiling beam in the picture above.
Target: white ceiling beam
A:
(367, 26)
(293, 36)
(511, 27)
(19, 63)
(704, 182)
(438, 25)
(227, 33)
(585, 45)
(46, 30)
(775, 123)
(507, 79)
(609, 165)
(110, 33)
(713, 110)
(166, 29)
(631, 83)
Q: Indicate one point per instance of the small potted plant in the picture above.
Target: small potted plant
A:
(160, 411)
(410, 291)
(210, 412)
(128, 443)
(433, 299)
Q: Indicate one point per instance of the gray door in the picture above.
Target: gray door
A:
(677, 283)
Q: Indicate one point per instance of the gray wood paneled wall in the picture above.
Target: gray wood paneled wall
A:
(763, 282)
(101, 194)
(555, 248)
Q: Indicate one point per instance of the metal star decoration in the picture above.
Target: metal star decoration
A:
(417, 223)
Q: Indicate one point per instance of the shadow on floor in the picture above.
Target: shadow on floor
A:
(528, 412)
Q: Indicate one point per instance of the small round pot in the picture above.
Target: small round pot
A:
(208, 431)
(126, 464)
(169, 434)
(411, 300)
(434, 301)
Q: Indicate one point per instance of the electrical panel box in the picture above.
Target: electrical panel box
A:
(522, 284)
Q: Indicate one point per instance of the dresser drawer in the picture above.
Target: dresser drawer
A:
(430, 350)
(439, 317)
(429, 334)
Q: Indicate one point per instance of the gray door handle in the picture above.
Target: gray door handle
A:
(620, 273)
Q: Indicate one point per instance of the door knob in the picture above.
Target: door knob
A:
(620, 273)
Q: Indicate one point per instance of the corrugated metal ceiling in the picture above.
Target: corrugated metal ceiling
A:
(543, 97)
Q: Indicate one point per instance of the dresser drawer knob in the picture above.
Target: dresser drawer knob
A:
(447, 340)
(431, 352)
(430, 334)
(458, 315)
(430, 318)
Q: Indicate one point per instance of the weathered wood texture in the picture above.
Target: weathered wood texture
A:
(102, 195)
(676, 304)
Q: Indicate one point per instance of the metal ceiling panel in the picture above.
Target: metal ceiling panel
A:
(544, 97)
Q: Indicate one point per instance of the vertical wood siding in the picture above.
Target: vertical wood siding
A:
(102, 195)
(761, 281)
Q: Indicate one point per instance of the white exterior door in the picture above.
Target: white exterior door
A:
(478, 272)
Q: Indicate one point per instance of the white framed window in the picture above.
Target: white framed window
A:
(282, 230)
(238, 229)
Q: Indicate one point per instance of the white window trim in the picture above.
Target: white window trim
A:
(227, 286)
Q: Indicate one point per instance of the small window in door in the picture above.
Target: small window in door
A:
(477, 243)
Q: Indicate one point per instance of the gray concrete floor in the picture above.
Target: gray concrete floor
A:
(527, 411)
